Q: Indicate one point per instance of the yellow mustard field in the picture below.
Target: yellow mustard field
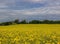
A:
(30, 34)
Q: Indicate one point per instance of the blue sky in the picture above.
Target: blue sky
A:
(29, 9)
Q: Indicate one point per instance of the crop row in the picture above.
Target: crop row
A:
(28, 37)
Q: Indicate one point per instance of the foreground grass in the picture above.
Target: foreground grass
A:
(30, 34)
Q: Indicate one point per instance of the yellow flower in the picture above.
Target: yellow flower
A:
(58, 43)
(47, 43)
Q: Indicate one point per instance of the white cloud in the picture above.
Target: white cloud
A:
(3, 5)
(46, 2)
(52, 7)
(23, 14)
(6, 3)
(35, 1)
(35, 11)
(3, 17)
(39, 11)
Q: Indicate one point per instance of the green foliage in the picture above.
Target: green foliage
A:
(16, 21)
(30, 22)
(23, 22)
(34, 22)
(44, 22)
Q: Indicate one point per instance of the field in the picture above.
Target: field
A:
(30, 34)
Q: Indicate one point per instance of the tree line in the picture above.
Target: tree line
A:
(30, 22)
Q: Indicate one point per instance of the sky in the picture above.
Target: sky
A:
(29, 10)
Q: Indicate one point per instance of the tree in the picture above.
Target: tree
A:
(23, 22)
(16, 21)
(46, 22)
(34, 22)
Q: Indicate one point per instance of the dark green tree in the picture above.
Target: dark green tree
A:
(23, 22)
(34, 22)
(16, 21)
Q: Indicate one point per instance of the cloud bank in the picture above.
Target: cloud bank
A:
(29, 9)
